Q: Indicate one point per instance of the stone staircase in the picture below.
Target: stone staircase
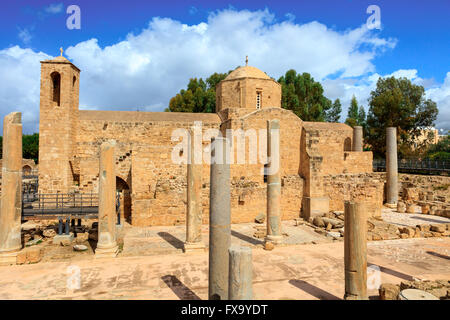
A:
(92, 184)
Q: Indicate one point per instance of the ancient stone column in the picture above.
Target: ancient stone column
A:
(107, 245)
(391, 166)
(194, 198)
(241, 273)
(219, 220)
(273, 182)
(355, 251)
(358, 138)
(11, 198)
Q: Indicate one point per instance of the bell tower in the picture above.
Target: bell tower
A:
(58, 124)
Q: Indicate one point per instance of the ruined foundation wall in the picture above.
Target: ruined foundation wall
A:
(355, 187)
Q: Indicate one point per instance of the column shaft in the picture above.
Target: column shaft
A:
(219, 220)
(355, 251)
(357, 139)
(241, 273)
(107, 245)
(391, 166)
(194, 198)
(273, 182)
(11, 198)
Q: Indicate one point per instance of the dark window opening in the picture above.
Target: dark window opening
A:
(56, 87)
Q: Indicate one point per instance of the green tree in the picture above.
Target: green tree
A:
(304, 96)
(334, 113)
(199, 96)
(361, 116)
(401, 104)
(30, 146)
(353, 113)
(440, 150)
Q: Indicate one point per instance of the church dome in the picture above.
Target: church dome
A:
(247, 72)
(60, 59)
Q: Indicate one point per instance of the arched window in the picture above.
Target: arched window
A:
(348, 144)
(74, 81)
(56, 87)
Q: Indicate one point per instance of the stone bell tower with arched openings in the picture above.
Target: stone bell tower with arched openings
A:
(58, 124)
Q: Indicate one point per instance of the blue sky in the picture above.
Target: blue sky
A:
(137, 54)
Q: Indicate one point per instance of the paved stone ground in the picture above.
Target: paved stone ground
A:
(411, 219)
(164, 239)
(309, 271)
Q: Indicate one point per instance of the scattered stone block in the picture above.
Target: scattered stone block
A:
(389, 291)
(49, 233)
(269, 246)
(401, 207)
(63, 239)
(318, 221)
(438, 228)
(260, 218)
(425, 209)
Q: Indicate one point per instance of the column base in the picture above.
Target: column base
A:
(194, 247)
(8, 258)
(274, 239)
(106, 252)
(64, 239)
(391, 205)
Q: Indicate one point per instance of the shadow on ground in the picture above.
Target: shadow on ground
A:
(313, 290)
(181, 291)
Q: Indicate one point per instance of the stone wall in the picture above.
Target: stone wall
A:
(355, 187)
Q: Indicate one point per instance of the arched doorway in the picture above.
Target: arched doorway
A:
(124, 193)
(26, 170)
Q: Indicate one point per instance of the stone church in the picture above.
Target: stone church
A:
(319, 170)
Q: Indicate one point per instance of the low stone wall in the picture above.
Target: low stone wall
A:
(364, 187)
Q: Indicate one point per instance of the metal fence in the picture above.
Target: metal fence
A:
(424, 166)
(54, 205)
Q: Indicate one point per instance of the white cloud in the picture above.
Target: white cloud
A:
(345, 88)
(19, 84)
(54, 8)
(24, 35)
(146, 69)
(441, 95)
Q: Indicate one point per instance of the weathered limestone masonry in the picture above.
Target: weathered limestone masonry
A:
(273, 183)
(240, 285)
(391, 166)
(153, 188)
(58, 124)
(355, 251)
(194, 197)
(327, 154)
(107, 244)
(355, 187)
(219, 221)
(11, 198)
